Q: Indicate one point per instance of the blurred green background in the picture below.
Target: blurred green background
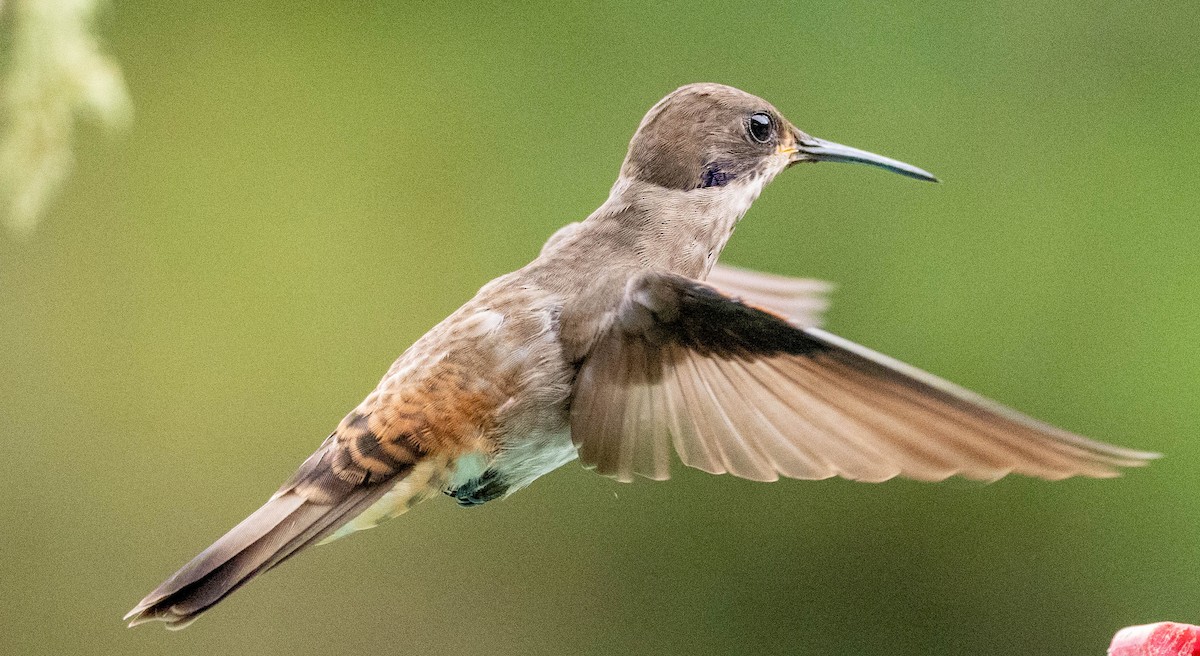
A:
(305, 190)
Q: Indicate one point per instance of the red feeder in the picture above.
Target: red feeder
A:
(1161, 639)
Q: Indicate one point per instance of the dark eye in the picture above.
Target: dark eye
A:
(759, 126)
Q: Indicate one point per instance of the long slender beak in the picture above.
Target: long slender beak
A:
(812, 149)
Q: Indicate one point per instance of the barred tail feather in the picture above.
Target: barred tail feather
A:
(280, 528)
(338, 487)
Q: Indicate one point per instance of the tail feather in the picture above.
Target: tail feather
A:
(280, 528)
(344, 478)
(370, 468)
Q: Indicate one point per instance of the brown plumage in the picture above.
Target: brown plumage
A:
(612, 348)
(734, 389)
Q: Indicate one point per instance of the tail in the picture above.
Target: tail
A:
(327, 494)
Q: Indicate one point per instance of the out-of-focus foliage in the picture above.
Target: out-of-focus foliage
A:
(308, 187)
(53, 74)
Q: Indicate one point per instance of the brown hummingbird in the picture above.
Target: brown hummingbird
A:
(623, 343)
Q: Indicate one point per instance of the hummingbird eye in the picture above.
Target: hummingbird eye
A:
(759, 127)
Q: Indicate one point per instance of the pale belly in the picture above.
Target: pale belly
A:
(540, 453)
(514, 468)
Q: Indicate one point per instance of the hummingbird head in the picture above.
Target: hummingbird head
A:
(705, 136)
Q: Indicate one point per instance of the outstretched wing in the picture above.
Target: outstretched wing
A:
(735, 389)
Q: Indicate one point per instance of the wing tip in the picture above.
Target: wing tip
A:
(1141, 458)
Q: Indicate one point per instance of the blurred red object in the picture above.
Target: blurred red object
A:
(1161, 639)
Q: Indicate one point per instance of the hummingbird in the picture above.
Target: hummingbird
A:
(625, 345)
